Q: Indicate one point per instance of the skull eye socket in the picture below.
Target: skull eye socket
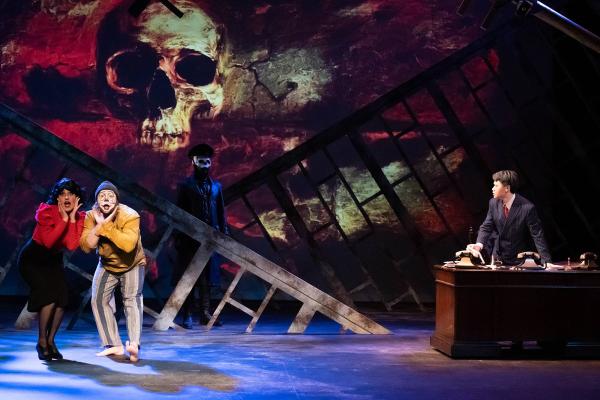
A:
(197, 69)
(132, 69)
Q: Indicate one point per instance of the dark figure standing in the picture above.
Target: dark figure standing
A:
(202, 197)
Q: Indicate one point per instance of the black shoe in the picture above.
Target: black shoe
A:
(43, 352)
(205, 318)
(54, 353)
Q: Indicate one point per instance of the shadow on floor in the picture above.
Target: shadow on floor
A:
(167, 376)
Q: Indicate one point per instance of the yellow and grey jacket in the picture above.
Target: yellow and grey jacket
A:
(120, 243)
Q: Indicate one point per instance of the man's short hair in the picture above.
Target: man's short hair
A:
(507, 177)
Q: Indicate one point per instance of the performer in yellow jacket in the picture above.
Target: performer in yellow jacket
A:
(113, 229)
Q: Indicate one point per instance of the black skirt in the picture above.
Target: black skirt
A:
(44, 272)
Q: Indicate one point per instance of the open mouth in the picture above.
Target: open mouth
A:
(106, 207)
(67, 203)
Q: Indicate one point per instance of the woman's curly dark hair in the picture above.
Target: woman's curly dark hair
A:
(65, 184)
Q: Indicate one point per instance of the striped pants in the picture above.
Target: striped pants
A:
(103, 287)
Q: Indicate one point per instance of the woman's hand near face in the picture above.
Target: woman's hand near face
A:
(63, 213)
(73, 213)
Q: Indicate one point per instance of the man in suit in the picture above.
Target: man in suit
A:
(202, 197)
(512, 218)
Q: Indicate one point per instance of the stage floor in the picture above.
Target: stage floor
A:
(225, 363)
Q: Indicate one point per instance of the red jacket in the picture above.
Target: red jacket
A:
(52, 232)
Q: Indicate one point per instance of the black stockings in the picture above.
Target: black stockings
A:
(50, 318)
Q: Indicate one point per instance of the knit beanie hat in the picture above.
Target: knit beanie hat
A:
(106, 185)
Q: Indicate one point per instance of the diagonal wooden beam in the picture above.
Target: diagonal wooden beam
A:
(198, 230)
(185, 285)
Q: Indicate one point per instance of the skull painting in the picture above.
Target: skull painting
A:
(162, 70)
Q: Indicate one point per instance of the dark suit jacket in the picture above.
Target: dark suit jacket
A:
(189, 199)
(512, 232)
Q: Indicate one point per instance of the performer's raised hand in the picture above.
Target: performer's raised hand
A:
(111, 216)
(61, 210)
(73, 213)
(473, 247)
(98, 216)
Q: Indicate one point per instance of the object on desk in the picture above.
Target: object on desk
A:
(496, 263)
(557, 267)
(588, 261)
(449, 264)
(529, 260)
(468, 259)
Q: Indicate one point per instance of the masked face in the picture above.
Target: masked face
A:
(107, 201)
(202, 163)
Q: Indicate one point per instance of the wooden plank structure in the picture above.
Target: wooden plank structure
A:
(470, 75)
(210, 239)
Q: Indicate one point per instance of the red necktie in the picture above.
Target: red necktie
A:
(505, 211)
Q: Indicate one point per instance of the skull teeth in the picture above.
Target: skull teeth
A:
(170, 130)
(162, 141)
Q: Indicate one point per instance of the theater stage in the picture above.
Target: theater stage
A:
(225, 363)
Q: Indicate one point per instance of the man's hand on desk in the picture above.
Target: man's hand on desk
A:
(475, 250)
(474, 247)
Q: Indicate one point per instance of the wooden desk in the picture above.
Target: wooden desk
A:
(476, 309)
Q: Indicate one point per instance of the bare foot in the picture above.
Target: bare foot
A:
(133, 350)
(112, 351)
